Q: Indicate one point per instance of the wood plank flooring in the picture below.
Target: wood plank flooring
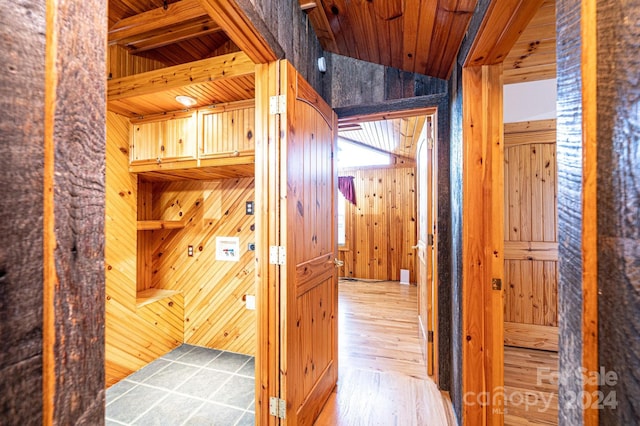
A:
(531, 390)
(383, 378)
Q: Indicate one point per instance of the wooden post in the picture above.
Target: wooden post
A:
(74, 152)
(483, 241)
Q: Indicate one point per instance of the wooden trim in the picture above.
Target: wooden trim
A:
(482, 243)
(49, 236)
(503, 23)
(531, 336)
(217, 68)
(588, 28)
(155, 19)
(528, 132)
(530, 250)
(238, 19)
(350, 120)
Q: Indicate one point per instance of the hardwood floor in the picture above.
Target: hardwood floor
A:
(531, 389)
(382, 379)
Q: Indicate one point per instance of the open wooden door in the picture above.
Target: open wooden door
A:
(306, 230)
(426, 277)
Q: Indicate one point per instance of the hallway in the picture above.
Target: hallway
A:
(382, 377)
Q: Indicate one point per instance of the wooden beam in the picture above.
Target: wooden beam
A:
(482, 244)
(503, 23)
(176, 34)
(243, 25)
(155, 19)
(220, 67)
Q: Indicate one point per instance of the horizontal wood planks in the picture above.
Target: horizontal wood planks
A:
(531, 248)
(214, 291)
(531, 336)
(133, 337)
(381, 228)
(533, 57)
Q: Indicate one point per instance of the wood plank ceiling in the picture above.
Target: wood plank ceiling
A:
(421, 36)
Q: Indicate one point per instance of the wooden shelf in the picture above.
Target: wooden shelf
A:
(149, 225)
(151, 295)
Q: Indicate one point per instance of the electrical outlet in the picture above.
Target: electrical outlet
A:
(249, 207)
(250, 302)
(190, 251)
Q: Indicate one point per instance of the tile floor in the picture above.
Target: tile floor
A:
(190, 385)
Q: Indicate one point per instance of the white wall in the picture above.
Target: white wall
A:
(530, 101)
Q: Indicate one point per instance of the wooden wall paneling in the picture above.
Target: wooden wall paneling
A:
(133, 336)
(214, 291)
(381, 228)
(120, 63)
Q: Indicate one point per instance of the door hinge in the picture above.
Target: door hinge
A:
(277, 104)
(277, 407)
(430, 336)
(430, 142)
(430, 239)
(277, 255)
(496, 284)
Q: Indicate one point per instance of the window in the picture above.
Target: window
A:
(355, 155)
(342, 209)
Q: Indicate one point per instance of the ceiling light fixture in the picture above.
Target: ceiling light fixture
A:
(187, 101)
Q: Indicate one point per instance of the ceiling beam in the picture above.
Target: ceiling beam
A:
(218, 68)
(244, 26)
(155, 19)
(501, 27)
(176, 34)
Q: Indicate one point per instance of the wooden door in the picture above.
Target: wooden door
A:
(308, 281)
(531, 245)
(427, 295)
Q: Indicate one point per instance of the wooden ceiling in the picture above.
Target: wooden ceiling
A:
(421, 36)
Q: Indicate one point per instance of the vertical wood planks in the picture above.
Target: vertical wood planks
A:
(530, 210)
(381, 228)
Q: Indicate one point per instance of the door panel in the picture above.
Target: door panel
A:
(427, 300)
(308, 290)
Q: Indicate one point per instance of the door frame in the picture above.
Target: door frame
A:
(380, 112)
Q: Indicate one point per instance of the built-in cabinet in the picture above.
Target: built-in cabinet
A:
(219, 136)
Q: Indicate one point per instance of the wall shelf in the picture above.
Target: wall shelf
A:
(149, 225)
(151, 295)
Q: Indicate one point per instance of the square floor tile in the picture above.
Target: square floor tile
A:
(199, 356)
(238, 392)
(117, 390)
(229, 361)
(148, 370)
(247, 419)
(211, 414)
(135, 402)
(178, 352)
(249, 368)
(204, 383)
(172, 377)
(173, 410)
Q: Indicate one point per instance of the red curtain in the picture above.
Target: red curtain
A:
(347, 188)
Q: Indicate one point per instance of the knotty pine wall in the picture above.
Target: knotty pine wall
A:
(381, 228)
(214, 291)
(133, 336)
(122, 64)
(531, 250)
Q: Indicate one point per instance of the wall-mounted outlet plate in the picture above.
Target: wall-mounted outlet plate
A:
(250, 301)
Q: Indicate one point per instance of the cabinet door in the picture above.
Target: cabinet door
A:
(179, 138)
(146, 139)
(227, 132)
